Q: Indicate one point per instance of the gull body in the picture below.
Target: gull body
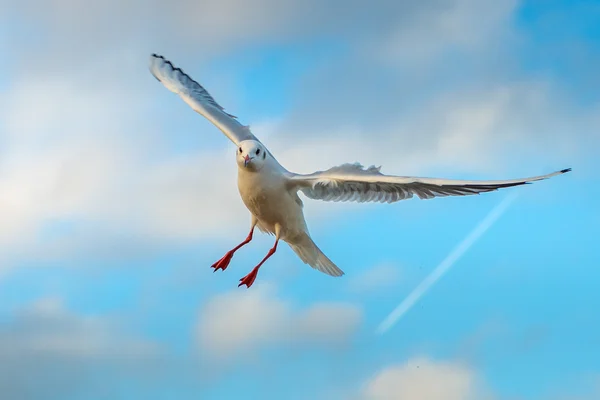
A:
(265, 193)
(270, 192)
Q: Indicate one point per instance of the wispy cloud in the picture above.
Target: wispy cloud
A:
(46, 327)
(375, 278)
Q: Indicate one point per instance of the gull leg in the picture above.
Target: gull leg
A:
(224, 261)
(248, 280)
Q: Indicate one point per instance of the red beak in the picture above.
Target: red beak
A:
(246, 159)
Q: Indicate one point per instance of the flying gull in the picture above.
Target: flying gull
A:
(270, 192)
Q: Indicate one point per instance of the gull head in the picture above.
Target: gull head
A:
(251, 155)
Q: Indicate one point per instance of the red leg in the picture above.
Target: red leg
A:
(248, 280)
(224, 261)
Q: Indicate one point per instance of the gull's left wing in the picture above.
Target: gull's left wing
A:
(352, 182)
(198, 98)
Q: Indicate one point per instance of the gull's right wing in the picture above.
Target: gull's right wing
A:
(198, 98)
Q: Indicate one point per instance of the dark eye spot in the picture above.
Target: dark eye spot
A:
(257, 151)
(240, 149)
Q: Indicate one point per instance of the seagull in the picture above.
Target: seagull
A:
(270, 192)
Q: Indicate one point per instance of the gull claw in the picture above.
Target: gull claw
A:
(223, 263)
(249, 279)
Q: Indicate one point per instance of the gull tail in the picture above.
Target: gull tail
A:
(308, 252)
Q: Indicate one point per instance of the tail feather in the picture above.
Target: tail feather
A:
(310, 254)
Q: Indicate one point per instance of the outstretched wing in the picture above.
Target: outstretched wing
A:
(352, 182)
(198, 98)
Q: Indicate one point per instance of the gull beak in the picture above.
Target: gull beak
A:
(246, 159)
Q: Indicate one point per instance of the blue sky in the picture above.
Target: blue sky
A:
(115, 199)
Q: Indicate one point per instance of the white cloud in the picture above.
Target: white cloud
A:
(216, 25)
(456, 25)
(49, 351)
(59, 154)
(375, 279)
(471, 129)
(242, 322)
(424, 379)
(73, 155)
(46, 328)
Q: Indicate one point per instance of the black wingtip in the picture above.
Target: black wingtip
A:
(564, 171)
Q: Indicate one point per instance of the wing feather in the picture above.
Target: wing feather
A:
(198, 99)
(353, 182)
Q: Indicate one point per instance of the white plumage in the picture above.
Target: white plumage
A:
(270, 192)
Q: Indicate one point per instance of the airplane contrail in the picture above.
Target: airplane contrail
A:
(445, 265)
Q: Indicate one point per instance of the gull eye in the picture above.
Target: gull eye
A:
(257, 151)
(240, 149)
